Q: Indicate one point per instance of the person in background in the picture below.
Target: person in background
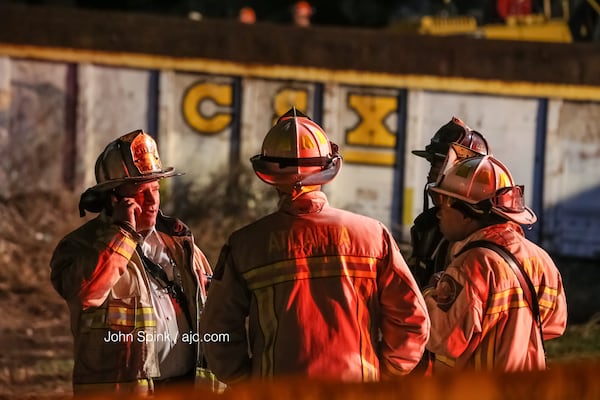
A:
(501, 296)
(133, 279)
(429, 254)
(302, 13)
(429, 248)
(247, 15)
(325, 292)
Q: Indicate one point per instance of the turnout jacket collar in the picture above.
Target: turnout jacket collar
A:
(306, 203)
(502, 234)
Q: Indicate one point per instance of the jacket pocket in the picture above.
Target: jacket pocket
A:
(122, 315)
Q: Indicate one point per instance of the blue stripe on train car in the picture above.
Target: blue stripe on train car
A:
(398, 189)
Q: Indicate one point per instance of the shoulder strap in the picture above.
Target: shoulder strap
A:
(529, 292)
(173, 288)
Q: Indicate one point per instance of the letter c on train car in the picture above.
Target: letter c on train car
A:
(206, 107)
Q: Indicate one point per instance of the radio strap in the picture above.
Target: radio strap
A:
(529, 292)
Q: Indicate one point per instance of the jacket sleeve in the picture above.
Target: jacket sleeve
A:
(552, 301)
(227, 307)
(404, 318)
(86, 272)
(203, 271)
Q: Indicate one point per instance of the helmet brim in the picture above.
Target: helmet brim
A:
(525, 217)
(428, 155)
(114, 183)
(422, 153)
(273, 174)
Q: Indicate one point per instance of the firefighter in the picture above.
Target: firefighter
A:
(133, 279)
(326, 292)
(429, 248)
(495, 304)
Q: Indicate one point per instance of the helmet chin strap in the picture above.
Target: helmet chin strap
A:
(426, 197)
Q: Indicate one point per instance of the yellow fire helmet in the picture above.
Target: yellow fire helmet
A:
(297, 152)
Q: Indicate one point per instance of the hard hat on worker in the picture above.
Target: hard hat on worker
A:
(483, 184)
(455, 131)
(297, 152)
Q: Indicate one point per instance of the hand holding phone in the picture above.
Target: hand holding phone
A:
(125, 210)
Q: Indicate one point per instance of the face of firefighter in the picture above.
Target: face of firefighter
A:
(454, 225)
(137, 204)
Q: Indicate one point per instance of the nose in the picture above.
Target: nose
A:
(150, 198)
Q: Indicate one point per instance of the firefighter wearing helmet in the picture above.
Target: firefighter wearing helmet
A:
(133, 279)
(452, 142)
(484, 314)
(308, 267)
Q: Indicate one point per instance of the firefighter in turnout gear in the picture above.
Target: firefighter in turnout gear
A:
(325, 292)
(429, 248)
(501, 296)
(133, 279)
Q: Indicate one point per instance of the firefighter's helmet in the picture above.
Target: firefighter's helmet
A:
(131, 158)
(455, 131)
(296, 152)
(485, 185)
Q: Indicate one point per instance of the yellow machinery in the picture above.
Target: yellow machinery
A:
(534, 27)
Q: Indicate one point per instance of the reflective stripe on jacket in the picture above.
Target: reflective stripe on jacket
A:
(327, 293)
(479, 317)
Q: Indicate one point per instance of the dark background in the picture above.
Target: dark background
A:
(583, 19)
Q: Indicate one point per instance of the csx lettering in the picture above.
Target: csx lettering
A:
(371, 131)
(219, 95)
(287, 97)
(375, 143)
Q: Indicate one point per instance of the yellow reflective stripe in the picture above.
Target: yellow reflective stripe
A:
(548, 298)
(507, 306)
(548, 291)
(267, 321)
(514, 298)
(477, 358)
(368, 356)
(141, 387)
(361, 263)
(312, 267)
(122, 316)
(451, 362)
(125, 316)
(491, 348)
(505, 300)
(123, 245)
(549, 304)
(483, 357)
(308, 275)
